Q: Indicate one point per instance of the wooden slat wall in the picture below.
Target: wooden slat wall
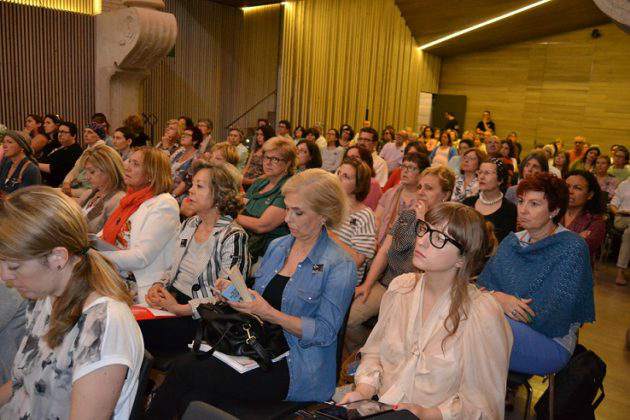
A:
(555, 87)
(88, 7)
(225, 61)
(46, 64)
(339, 58)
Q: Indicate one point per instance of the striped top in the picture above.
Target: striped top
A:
(358, 232)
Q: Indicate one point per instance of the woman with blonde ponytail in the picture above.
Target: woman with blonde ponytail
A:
(82, 351)
(440, 348)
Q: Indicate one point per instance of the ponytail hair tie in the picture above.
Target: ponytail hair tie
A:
(84, 251)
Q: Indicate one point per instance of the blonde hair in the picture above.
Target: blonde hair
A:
(446, 178)
(476, 235)
(157, 169)
(37, 219)
(229, 152)
(108, 161)
(286, 148)
(321, 191)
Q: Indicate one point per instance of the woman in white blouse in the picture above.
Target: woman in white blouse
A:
(440, 348)
(145, 224)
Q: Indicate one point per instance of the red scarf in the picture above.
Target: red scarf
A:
(128, 206)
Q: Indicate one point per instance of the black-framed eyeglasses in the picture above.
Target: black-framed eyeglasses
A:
(273, 159)
(437, 238)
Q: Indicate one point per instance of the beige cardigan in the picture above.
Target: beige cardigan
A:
(404, 361)
(100, 210)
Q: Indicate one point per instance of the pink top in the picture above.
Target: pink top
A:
(374, 195)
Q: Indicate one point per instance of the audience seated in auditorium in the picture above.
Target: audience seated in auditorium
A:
(309, 156)
(83, 351)
(387, 136)
(394, 257)
(441, 154)
(144, 226)
(346, 136)
(394, 176)
(579, 149)
(394, 150)
(620, 168)
(401, 198)
(490, 202)
(122, 140)
(208, 246)
(441, 347)
(486, 124)
(34, 127)
(51, 131)
(104, 170)
(310, 308)
(533, 164)
(455, 162)
(61, 160)
(284, 129)
(312, 134)
(254, 168)
(585, 211)
(298, 133)
(428, 138)
(12, 323)
(620, 209)
(206, 126)
(264, 213)
(364, 155)
(542, 278)
(222, 152)
(101, 119)
(586, 162)
(235, 138)
(133, 123)
(368, 139)
(493, 145)
(607, 183)
(357, 232)
(509, 158)
(560, 165)
(169, 143)
(333, 153)
(182, 160)
(17, 167)
(76, 182)
(466, 183)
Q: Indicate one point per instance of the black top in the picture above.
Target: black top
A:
(452, 125)
(482, 127)
(273, 294)
(61, 162)
(25, 174)
(504, 219)
(47, 150)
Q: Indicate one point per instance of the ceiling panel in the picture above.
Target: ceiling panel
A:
(431, 19)
(245, 3)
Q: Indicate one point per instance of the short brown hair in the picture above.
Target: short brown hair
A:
(363, 175)
(445, 176)
(555, 190)
(225, 185)
(157, 169)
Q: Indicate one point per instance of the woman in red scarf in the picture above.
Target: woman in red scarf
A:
(145, 224)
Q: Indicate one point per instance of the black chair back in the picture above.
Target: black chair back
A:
(137, 411)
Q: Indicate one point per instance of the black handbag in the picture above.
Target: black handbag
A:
(238, 334)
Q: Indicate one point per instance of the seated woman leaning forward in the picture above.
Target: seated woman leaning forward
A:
(208, 245)
(304, 284)
(542, 278)
(441, 347)
(81, 356)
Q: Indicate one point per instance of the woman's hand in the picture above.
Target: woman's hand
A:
(515, 308)
(258, 306)
(421, 209)
(66, 189)
(362, 291)
(351, 397)
(154, 294)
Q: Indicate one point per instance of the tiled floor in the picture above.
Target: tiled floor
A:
(606, 337)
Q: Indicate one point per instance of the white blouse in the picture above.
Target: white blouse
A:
(406, 360)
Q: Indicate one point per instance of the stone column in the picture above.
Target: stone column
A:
(129, 41)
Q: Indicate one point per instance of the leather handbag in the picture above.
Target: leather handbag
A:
(238, 334)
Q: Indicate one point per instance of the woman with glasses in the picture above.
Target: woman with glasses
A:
(493, 178)
(346, 136)
(61, 160)
(395, 254)
(404, 197)
(441, 347)
(467, 184)
(542, 278)
(263, 216)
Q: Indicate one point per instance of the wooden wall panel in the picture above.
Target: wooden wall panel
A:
(46, 62)
(225, 61)
(339, 58)
(555, 87)
(88, 7)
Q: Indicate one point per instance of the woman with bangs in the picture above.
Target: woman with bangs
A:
(441, 347)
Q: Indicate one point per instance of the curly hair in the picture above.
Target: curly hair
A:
(225, 185)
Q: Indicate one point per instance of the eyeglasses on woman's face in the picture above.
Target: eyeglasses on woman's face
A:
(272, 159)
(437, 238)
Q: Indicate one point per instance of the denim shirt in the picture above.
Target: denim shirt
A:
(319, 293)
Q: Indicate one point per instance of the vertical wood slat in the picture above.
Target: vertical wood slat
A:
(76, 6)
(369, 57)
(46, 64)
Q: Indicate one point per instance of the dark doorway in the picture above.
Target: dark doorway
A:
(456, 104)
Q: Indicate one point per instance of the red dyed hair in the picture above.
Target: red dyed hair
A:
(555, 189)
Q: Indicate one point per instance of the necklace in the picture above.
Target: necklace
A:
(490, 202)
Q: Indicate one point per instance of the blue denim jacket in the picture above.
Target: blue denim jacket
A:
(319, 293)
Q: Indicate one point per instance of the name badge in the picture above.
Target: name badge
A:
(183, 243)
